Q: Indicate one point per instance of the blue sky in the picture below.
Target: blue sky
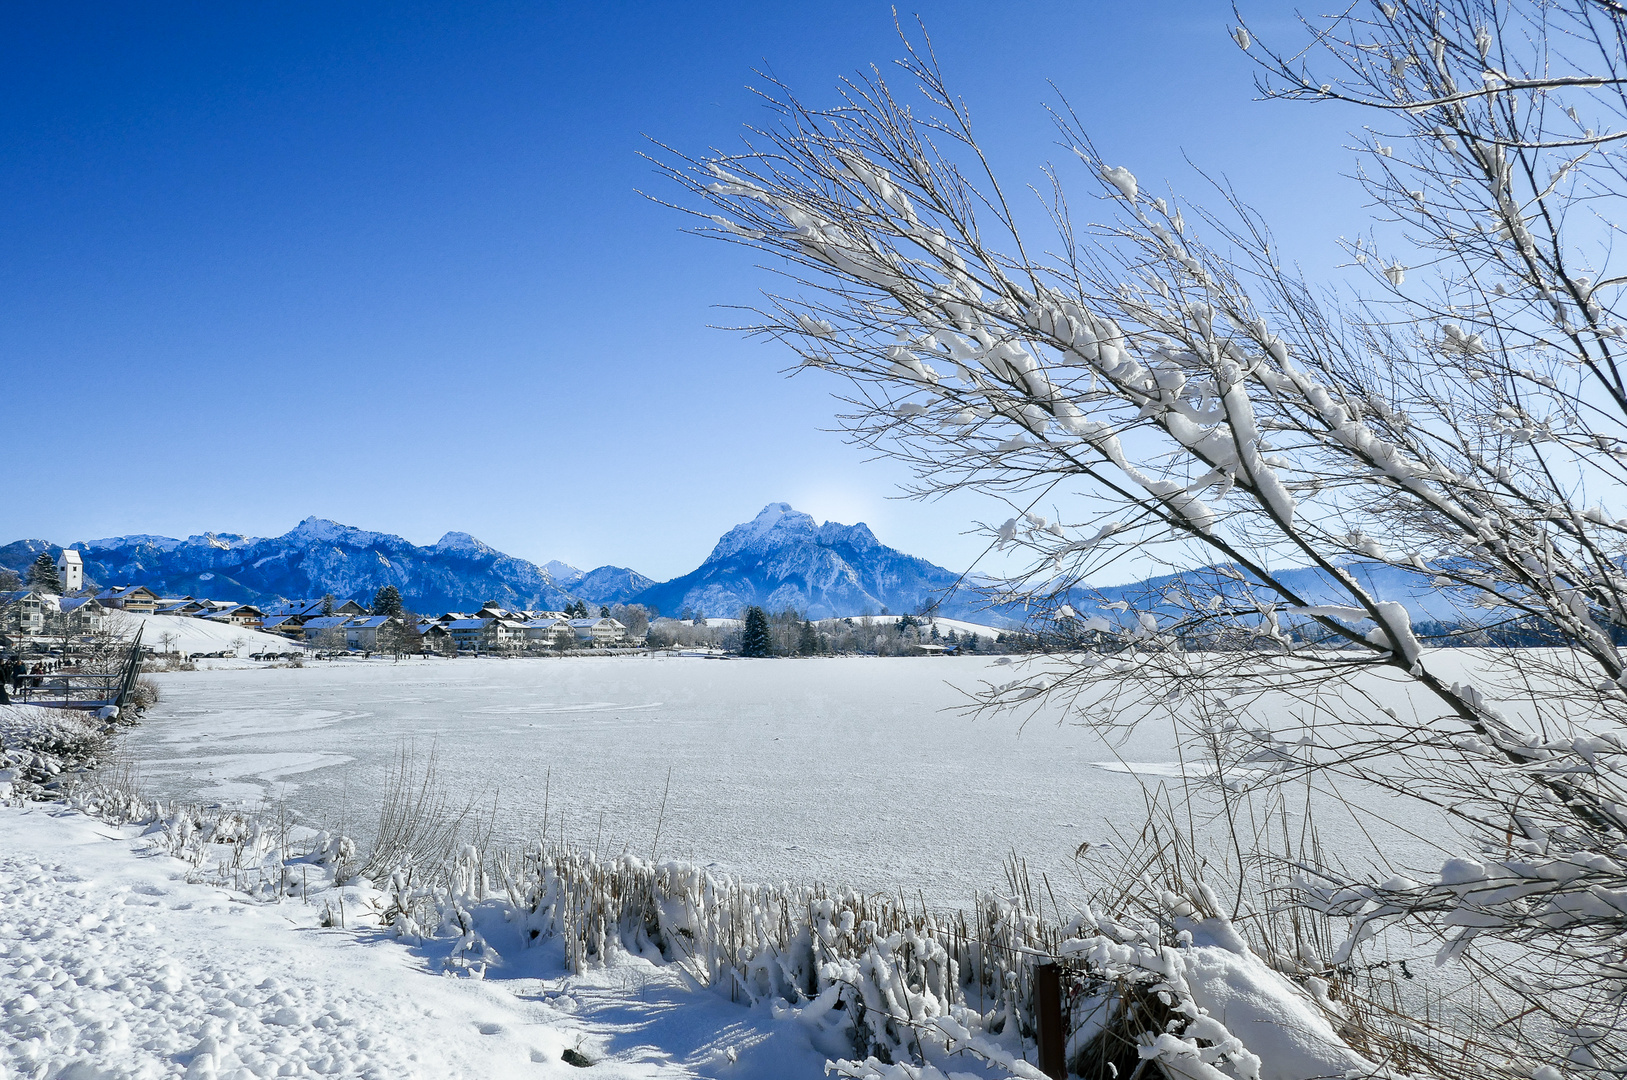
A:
(388, 264)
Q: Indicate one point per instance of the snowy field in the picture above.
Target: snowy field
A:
(200, 635)
(851, 771)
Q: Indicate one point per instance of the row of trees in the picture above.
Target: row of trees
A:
(789, 633)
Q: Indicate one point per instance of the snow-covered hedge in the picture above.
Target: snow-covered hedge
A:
(38, 745)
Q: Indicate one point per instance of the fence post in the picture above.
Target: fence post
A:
(1049, 1030)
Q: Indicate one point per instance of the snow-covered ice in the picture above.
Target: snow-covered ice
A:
(851, 771)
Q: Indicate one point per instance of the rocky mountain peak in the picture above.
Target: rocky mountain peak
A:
(776, 525)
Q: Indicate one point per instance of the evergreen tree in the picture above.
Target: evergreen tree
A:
(604, 612)
(327, 604)
(808, 640)
(43, 576)
(755, 640)
(387, 601)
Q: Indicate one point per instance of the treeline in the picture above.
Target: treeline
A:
(791, 633)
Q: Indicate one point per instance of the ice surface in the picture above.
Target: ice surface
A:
(855, 771)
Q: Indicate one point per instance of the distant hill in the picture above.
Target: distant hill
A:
(318, 557)
(783, 558)
(1424, 601)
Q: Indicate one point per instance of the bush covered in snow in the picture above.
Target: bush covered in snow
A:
(1170, 389)
(38, 746)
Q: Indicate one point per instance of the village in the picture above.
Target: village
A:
(64, 608)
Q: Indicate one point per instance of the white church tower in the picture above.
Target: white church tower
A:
(72, 570)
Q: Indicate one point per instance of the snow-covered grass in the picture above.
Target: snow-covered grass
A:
(39, 745)
(116, 963)
(790, 976)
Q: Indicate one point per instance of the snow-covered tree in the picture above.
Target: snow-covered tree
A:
(43, 574)
(1154, 377)
(755, 639)
(387, 600)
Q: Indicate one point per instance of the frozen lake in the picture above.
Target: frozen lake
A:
(853, 771)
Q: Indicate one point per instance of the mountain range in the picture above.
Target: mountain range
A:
(781, 558)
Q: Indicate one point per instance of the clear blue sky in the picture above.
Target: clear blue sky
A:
(388, 264)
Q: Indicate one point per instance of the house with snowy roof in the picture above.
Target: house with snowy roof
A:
(314, 628)
(22, 611)
(601, 631)
(82, 614)
(313, 608)
(137, 599)
(466, 633)
(362, 632)
(545, 633)
(237, 615)
(286, 625)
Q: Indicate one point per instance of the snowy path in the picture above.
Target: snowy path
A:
(113, 965)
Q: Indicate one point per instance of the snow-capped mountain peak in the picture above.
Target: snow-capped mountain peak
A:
(784, 558)
(315, 530)
(463, 544)
(776, 524)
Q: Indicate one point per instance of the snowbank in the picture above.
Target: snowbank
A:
(200, 635)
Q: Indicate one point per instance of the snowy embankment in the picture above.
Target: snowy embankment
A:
(200, 635)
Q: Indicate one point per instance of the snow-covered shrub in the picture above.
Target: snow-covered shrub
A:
(1164, 384)
(38, 746)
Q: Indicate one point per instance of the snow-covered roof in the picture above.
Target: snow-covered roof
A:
(123, 592)
(466, 624)
(326, 622)
(365, 621)
(69, 557)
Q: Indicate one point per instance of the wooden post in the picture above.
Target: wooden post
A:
(1050, 1032)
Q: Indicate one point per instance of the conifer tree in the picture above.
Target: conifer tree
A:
(755, 640)
(327, 604)
(387, 601)
(43, 576)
